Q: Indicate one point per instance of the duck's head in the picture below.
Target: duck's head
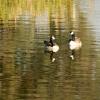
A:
(52, 37)
(72, 33)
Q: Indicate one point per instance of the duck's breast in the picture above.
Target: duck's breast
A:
(72, 45)
(55, 48)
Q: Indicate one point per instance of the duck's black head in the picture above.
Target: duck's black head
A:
(52, 37)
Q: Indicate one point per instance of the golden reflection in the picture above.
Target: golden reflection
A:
(11, 9)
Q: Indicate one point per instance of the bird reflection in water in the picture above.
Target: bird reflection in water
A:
(72, 55)
(52, 58)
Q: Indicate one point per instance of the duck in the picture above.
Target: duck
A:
(74, 43)
(51, 45)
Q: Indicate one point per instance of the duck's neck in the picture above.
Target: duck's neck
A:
(73, 37)
(51, 41)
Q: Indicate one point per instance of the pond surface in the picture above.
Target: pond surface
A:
(27, 72)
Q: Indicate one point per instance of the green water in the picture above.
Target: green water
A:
(27, 72)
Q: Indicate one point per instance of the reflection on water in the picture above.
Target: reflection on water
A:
(26, 72)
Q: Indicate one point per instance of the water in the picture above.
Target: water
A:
(26, 72)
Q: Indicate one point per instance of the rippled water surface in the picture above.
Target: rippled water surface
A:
(27, 72)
